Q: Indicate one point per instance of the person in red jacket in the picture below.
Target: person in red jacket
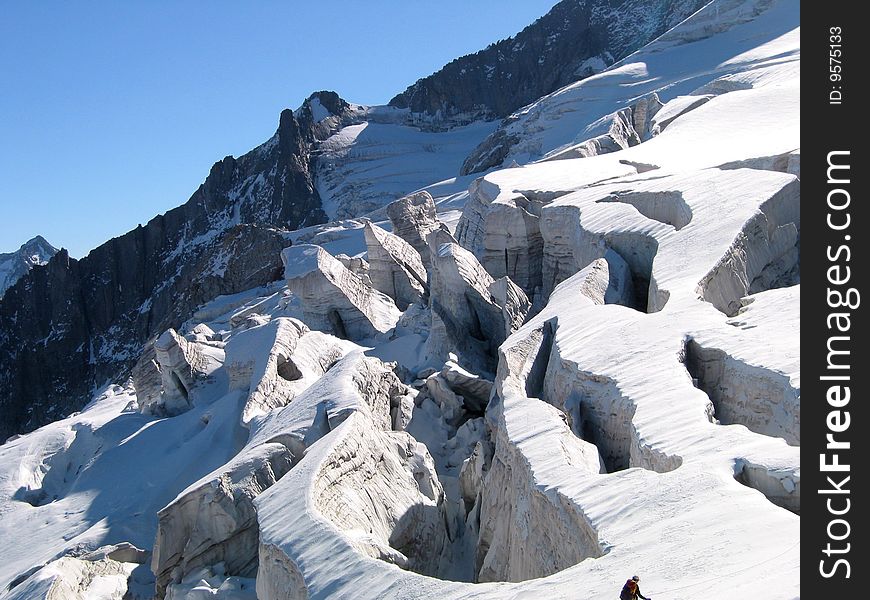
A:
(631, 590)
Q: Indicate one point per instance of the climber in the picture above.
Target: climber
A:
(631, 590)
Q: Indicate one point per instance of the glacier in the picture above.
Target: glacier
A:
(577, 361)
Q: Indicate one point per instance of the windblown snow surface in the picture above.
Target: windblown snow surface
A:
(643, 417)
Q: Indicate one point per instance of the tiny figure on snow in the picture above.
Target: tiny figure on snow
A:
(631, 590)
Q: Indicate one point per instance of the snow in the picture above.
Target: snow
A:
(318, 111)
(408, 351)
(365, 166)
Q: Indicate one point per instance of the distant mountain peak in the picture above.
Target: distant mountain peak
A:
(14, 265)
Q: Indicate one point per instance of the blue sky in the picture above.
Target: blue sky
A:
(113, 112)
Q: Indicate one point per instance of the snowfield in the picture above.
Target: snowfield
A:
(578, 364)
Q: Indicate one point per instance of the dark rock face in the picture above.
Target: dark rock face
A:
(577, 38)
(71, 326)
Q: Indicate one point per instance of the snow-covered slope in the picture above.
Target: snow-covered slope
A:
(726, 46)
(377, 159)
(599, 375)
(14, 265)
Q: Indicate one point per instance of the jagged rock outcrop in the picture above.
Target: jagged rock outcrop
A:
(572, 41)
(93, 322)
(15, 265)
(645, 411)
(81, 322)
(414, 217)
(100, 331)
(335, 299)
(395, 267)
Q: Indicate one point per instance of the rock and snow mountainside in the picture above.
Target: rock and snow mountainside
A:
(612, 110)
(577, 38)
(595, 372)
(15, 265)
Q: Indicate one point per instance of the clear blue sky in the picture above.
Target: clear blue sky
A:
(113, 112)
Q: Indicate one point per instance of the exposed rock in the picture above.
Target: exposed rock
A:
(584, 117)
(335, 299)
(580, 437)
(111, 305)
(396, 267)
(414, 218)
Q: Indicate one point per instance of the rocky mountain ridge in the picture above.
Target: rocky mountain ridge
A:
(82, 322)
(575, 39)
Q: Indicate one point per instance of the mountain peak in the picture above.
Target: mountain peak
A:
(321, 105)
(14, 265)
